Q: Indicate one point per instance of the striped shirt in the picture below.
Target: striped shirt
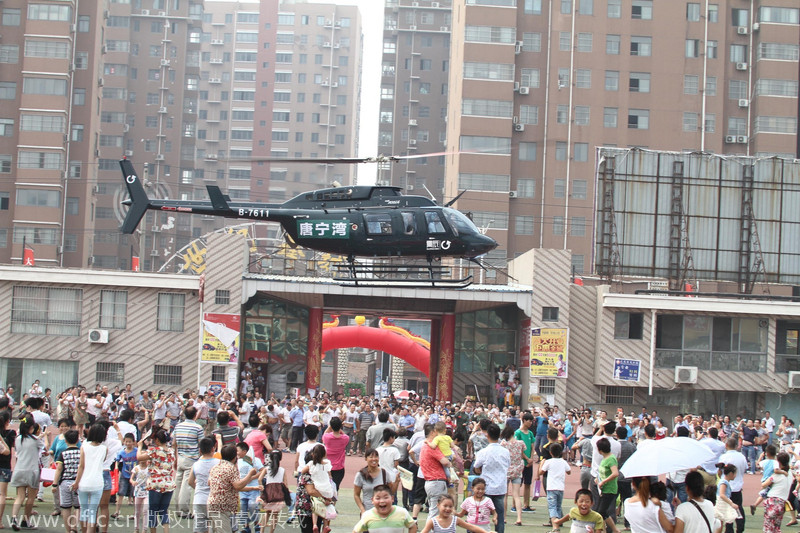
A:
(187, 437)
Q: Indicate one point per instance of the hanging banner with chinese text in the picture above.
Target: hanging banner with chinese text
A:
(549, 348)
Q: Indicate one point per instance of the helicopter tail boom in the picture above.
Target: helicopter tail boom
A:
(139, 202)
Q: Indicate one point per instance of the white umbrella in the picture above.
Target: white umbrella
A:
(666, 455)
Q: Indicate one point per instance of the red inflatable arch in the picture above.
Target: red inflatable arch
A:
(378, 339)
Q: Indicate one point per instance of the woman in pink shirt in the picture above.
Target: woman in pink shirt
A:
(335, 442)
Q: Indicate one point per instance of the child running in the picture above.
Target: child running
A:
(479, 509)
(139, 476)
(582, 516)
(446, 521)
(556, 469)
(66, 470)
(126, 460)
(384, 516)
(319, 468)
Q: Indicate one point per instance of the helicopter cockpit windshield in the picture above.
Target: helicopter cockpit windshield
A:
(459, 222)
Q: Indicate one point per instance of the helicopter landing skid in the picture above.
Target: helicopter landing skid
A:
(397, 275)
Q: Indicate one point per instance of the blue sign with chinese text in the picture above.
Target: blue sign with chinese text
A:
(627, 369)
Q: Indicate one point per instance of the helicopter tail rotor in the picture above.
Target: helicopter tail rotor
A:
(138, 202)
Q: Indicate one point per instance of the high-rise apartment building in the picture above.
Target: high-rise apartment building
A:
(414, 92)
(183, 89)
(536, 85)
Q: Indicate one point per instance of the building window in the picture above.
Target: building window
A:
(610, 117)
(222, 297)
(559, 188)
(526, 188)
(170, 311)
(689, 121)
(561, 151)
(46, 311)
(612, 80)
(167, 374)
(712, 343)
(691, 84)
(638, 119)
(639, 82)
(549, 314)
(583, 78)
(523, 225)
(527, 151)
(547, 386)
(642, 9)
(581, 115)
(578, 263)
(577, 226)
(641, 46)
(614, 9)
(693, 12)
(109, 373)
(219, 373)
(558, 225)
(628, 325)
(581, 152)
(113, 309)
(579, 189)
(618, 395)
(692, 48)
(612, 44)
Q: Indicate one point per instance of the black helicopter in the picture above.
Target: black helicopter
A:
(354, 221)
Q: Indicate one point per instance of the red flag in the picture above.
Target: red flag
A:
(135, 263)
(578, 281)
(27, 257)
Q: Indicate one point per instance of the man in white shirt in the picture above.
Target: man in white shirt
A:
(737, 459)
(769, 425)
(492, 464)
(709, 469)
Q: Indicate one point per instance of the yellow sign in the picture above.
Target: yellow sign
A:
(549, 348)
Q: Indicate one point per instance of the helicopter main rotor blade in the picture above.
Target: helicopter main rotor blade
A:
(340, 160)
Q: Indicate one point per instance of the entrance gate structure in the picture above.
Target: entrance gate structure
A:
(473, 330)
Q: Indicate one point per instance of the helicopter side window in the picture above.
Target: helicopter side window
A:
(378, 224)
(434, 222)
(409, 223)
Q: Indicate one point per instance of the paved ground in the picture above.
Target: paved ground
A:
(348, 512)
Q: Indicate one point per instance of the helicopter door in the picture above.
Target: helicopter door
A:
(409, 223)
(378, 224)
(433, 222)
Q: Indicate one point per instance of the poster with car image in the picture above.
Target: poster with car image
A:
(549, 352)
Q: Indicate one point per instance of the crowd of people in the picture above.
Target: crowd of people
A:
(220, 461)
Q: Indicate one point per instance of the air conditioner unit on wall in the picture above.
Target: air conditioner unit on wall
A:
(512, 194)
(794, 380)
(730, 139)
(741, 66)
(741, 30)
(744, 102)
(685, 374)
(524, 90)
(519, 127)
(98, 336)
